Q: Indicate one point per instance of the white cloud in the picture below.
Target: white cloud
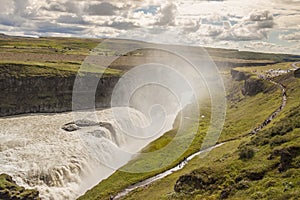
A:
(167, 15)
(293, 36)
(271, 47)
(206, 22)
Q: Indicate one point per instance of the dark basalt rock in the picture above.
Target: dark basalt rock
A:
(297, 73)
(42, 94)
(253, 86)
(70, 127)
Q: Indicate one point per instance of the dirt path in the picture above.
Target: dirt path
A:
(276, 112)
(163, 174)
(184, 162)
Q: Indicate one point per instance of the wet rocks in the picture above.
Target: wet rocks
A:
(70, 127)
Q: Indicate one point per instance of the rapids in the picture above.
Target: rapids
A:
(38, 153)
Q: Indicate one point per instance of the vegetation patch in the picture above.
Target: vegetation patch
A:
(10, 190)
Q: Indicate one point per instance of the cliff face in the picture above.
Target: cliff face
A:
(297, 73)
(45, 94)
(238, 76)
(252, 86)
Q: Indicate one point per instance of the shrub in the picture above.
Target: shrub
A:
(258, 196)
(278, 140)
(246, 153)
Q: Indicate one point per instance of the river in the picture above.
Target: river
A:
(39, 154)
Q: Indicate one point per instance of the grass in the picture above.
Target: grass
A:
(49, 45)
(29, 69)
(246, 55)
(256, 177)
(10, 190)
(260, 69)
(63, 56)
(121, 179)
(250, 112)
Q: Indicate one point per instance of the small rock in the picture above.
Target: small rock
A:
(70, 127)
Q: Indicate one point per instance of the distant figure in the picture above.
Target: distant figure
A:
(185, 159)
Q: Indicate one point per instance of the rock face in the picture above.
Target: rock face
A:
(70, 127)
(287, 155)
(45, 94)
(253, 86)
(239, 76)
(297, 73)
(195, 181)
(9, 190)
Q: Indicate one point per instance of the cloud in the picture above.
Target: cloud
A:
(254, 27)
(54, 6)
(205, 22)
(121, 25)
(271, 47)
(48, 27)
(102, 9)
(260, 45)
(71, 19)
(261, 16)
(167, 15)
(292, 37)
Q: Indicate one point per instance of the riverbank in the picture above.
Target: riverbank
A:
(185, 161)
(267, 100)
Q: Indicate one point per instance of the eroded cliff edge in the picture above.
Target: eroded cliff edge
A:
(46, 94)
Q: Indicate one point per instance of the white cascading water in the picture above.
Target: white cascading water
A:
(37, 153)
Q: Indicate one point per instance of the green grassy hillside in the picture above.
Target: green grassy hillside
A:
(244, 113)
(21, 57)
(263, 166)
(39, 61)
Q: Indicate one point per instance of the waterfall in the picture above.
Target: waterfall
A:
(39, 154)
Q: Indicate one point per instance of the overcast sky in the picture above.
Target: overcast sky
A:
(258, 25)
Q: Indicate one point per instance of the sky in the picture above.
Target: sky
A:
(253, 25)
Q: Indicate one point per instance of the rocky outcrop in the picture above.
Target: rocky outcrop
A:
(253, 86)
(297, 73)
(287, 155)
(9, 190)
(197, 180)
(239, 76)
(70, 127)
(46, 94)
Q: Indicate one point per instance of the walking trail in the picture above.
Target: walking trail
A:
(185, 161)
